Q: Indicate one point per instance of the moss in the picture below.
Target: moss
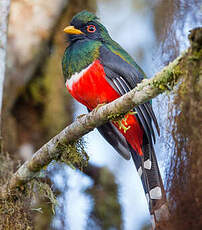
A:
(169, 80)
(115, 117)
(196, 55)
(44, 192)
(17, 212)
(13, 212)
(43, 203)
(73, 154)
(120, 116)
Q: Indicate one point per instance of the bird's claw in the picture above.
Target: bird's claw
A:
(99, 106)
(122, 123)
(131, 112)
(80, 116)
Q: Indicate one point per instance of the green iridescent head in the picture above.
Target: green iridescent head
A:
(84, 16)
(86, 25)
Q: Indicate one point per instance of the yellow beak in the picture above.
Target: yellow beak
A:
(72, 30)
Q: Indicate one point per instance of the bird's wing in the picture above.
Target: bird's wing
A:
(123, 77)
(115, 138)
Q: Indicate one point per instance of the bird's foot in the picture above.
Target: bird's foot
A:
(121, 125)
(122, 122)
(80, 116)
(131, 112)
(99, 106)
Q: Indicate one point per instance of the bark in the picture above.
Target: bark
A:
(146, 90)
(4, 10)
(184, 184)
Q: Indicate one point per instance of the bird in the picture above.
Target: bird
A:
(97, 70)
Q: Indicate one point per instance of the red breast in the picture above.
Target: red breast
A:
(91, 88)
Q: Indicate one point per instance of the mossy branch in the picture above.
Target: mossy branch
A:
(145, 91)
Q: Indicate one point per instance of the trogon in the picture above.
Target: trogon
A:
(98, 70)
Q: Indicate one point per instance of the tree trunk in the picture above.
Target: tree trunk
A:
(4, 10)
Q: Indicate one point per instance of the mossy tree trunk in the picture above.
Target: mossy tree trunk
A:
(185, 172)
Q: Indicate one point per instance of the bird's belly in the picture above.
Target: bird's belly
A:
(90, 86)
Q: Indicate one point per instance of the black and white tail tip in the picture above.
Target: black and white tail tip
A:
(148, 171)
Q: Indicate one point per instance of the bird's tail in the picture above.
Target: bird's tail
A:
(149, 173)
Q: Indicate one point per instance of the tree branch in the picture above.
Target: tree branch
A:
(4, 9)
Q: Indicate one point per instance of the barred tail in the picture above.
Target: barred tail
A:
(149, 173)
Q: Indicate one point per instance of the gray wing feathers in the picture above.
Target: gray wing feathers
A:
(115, 138)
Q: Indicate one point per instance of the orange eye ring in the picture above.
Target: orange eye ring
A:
(91, 28)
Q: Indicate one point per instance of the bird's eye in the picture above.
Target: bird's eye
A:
(91, 28)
